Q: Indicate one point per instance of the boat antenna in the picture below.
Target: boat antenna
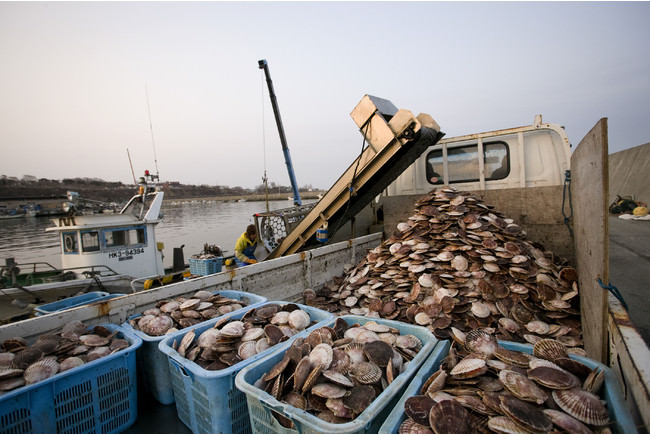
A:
(153, 143)
(131, 164)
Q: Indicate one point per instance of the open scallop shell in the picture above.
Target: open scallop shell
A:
(583, 405)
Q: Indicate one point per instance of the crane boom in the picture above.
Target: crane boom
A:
(263, 64)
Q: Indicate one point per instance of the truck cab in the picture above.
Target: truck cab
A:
(537, 155)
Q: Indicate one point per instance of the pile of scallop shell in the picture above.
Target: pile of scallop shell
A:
(230, 341)
(483, 387)
(169, 316)
(336, 372)
(22, 364)
(457, 262)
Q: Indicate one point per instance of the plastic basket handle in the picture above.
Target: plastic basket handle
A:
(280, 409)
(180, 369)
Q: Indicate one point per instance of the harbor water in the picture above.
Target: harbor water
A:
(191, 223)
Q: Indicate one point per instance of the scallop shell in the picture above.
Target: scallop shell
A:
(525, 413)
(252, 334)
(566, 422)
(539, 327)
(69, 363)
(322, 355)
(469, 367)
(170, 306)
(185, 343)
(98, 353)
(8, 384)
(480, 341)
(299, 319)
(40, 371)
(156, 326)
(553, 378)
(247, 350)
(480, 309)
(6, 359)
(503, 424)
(583, 405)
(280, 318)
(418, 407)
(234, 329)
(549, 349)
(328, 390)
(522, 387)
(26, 357)
(337, 377)
(378, 352)
(359, 398)
(366, 372)
(459, 263)
(449, 416)
(516, 358)
(10, 372)
(192, 303)
(409, 426)
(421, 318)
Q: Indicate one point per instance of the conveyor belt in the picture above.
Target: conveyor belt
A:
(395, 140)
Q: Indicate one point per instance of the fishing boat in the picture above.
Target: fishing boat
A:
(111, 253)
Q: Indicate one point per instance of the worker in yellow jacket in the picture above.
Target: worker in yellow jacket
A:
(245, 247)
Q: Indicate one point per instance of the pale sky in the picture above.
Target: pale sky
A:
(73, 79)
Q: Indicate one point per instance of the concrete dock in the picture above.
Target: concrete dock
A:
(629, 268)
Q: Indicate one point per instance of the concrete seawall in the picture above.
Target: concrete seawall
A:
(629, 173)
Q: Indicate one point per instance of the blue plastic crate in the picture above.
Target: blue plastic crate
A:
(70, 302)
(203, 267)
(261, 404)
(207, 401)
(611, 392)
(153, 367)
(98, 397)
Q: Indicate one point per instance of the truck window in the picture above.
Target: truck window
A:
(90, 241)
(463, 163)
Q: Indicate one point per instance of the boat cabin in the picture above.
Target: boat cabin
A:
(124, 242)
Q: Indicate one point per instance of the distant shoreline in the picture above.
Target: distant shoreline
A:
(250, 197)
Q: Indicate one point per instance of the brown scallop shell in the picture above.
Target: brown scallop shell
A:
(337, 377)
(418, 407)
(328, 390)
(480, 341)
(566, 422)
(409, 426)
(359, 398)
(516, 358)
(524, 413)
(553, 378)
(366, 372)
(549, 349)
(583, 405)
(378, 352)
(448, 417)
(40, 371)
(26, 357)
(469, 367)
(522, 387)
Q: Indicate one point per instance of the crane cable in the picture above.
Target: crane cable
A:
(265, 179)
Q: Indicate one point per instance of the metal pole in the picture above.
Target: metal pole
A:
(263, 64)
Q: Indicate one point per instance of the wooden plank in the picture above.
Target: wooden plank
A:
(589, 173)
(629, 359)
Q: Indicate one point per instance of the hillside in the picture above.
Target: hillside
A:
(33, 189)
